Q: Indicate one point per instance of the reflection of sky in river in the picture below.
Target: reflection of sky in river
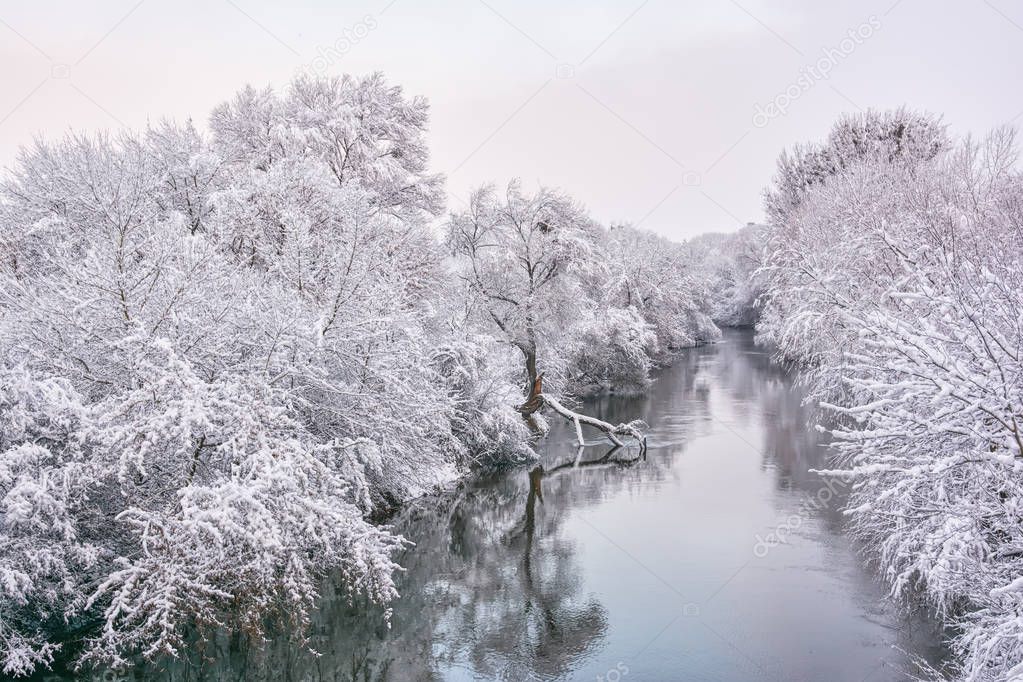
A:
(711, 559)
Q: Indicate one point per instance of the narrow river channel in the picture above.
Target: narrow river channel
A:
(717, 557)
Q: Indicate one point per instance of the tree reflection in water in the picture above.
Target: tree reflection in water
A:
(548, 637)
(490, 585)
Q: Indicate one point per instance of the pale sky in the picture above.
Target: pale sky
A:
(646, 111)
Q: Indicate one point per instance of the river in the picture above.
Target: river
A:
(717, 556)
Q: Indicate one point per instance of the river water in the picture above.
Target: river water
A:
(718, 556)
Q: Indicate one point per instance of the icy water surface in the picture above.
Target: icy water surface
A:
(717, 557)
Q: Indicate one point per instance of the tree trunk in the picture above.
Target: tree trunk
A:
(531, 374)
(535, 400)
(534, 380)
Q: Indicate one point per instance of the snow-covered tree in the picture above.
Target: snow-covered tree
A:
(361, 130)
(934, 439)
(827, 249)
(245, 345)
(521, 258)
(895, 281)
(527, 263)
(898, 136)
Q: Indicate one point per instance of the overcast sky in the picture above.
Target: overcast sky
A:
(654, 112)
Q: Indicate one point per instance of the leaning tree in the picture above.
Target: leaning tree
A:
(522, 256)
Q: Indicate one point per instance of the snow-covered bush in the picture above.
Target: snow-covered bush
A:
(613, 352)
(661, 280)
(47, 543)
(187, 501)
(485, 386)
(728, 266)
(235, 511)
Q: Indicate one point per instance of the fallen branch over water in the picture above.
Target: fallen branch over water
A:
(610, 430)
(537, 399)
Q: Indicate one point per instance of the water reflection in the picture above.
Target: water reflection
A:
(595, 560)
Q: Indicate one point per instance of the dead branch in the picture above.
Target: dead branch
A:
(612, 431)
(537, 399)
